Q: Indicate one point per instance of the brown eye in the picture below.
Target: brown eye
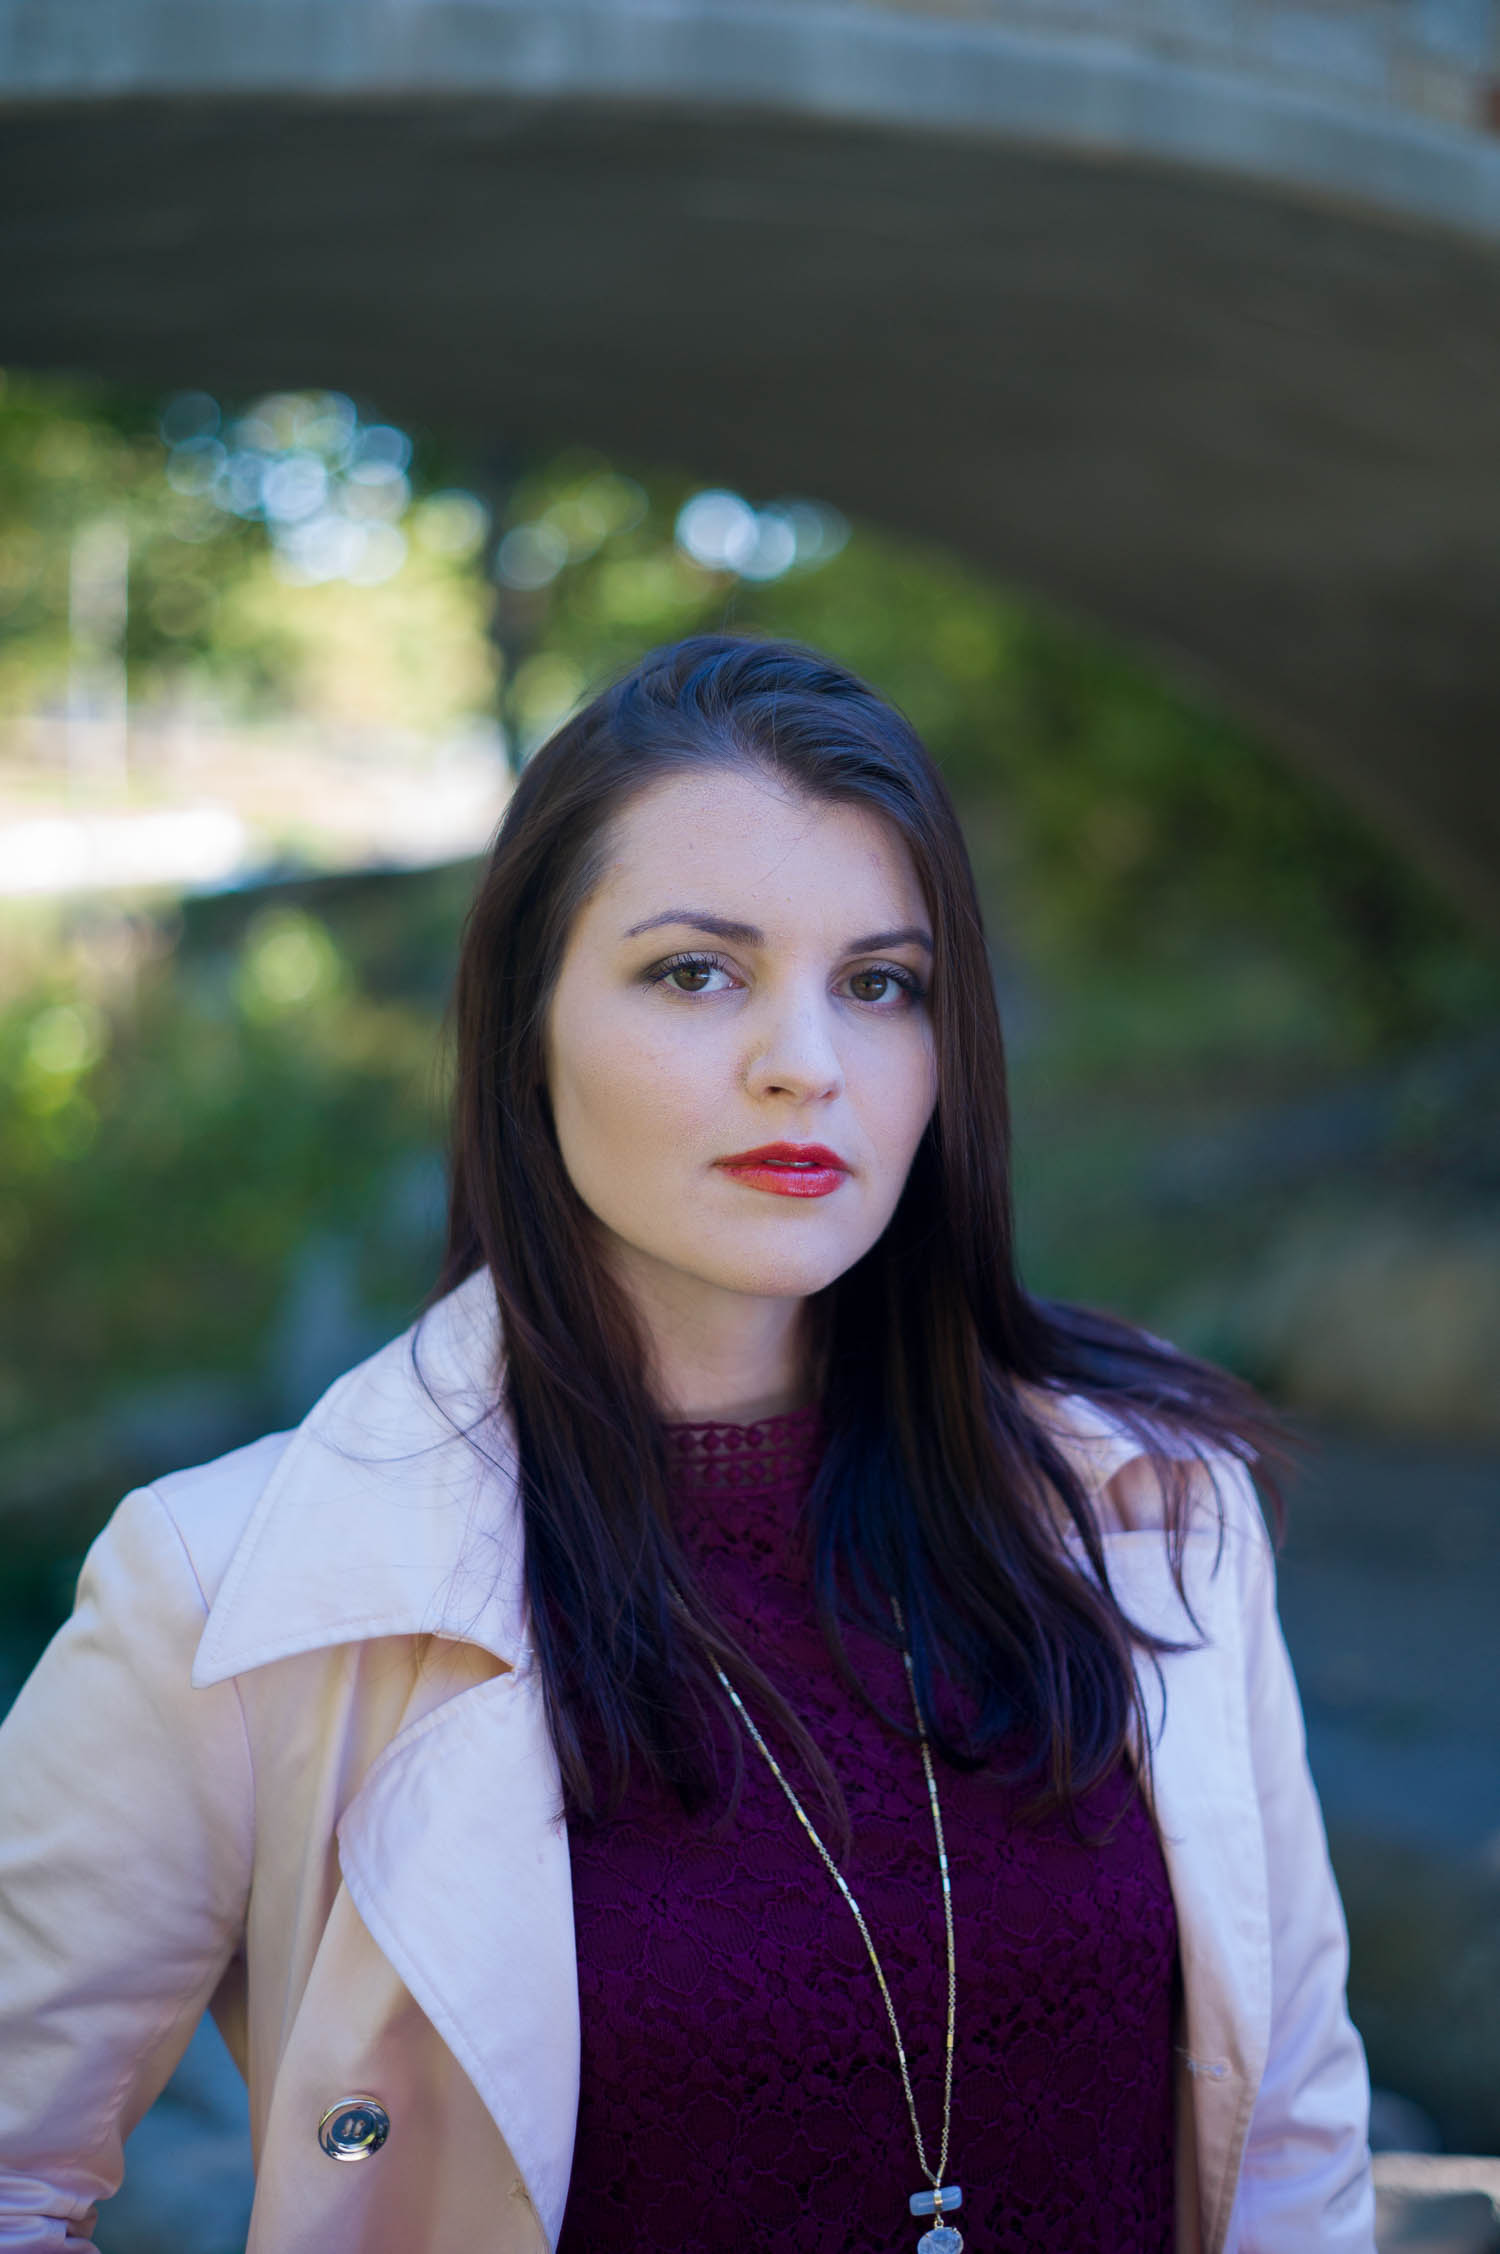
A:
(868, 979)
(685, 973)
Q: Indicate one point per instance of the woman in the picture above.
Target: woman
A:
(742, 1728)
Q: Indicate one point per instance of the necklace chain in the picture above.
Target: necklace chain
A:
(935, 2178)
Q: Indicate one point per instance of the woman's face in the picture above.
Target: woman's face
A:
(751, 971)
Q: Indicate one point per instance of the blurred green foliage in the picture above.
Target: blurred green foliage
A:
(184, 1103)
(224, 611)
(75, 454)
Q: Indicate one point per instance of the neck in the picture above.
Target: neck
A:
(720, 1356)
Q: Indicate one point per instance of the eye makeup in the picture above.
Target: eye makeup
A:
(899, 975)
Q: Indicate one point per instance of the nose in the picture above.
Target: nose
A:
(793, 1052)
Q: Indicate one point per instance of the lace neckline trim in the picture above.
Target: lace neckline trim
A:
(772, 1455)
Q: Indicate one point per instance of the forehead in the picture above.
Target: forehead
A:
(745, 843)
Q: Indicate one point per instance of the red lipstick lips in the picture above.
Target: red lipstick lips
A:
(788, 1169)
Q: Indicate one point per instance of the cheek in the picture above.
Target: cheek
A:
(901, 1102)
(622, 1105)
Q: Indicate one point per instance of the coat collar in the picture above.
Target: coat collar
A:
(393, 1510)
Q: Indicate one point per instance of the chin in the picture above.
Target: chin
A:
(781, 1274)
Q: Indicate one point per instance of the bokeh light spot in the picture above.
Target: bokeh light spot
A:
(530, 556)
(452, 524)
(64, 1041)
(289, 960)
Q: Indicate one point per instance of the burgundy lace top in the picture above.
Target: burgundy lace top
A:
(739, 2082)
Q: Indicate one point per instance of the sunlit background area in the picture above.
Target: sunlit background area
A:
(269, 663)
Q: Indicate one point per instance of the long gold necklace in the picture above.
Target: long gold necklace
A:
(941, 2199)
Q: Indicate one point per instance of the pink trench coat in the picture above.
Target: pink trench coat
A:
(288, 1760)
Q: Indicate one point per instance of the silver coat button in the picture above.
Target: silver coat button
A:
(354, 2128)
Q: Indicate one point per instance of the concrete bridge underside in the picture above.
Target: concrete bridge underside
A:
(1211, 358)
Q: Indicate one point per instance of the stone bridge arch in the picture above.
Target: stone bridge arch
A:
(1183, 313)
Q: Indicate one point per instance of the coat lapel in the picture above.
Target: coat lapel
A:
(456, 1856)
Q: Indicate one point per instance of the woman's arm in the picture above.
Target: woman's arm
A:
(1305, 2179)
(125, 1844)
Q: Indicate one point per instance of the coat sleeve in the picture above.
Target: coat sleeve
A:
(125, 1843)
(1305, 2176)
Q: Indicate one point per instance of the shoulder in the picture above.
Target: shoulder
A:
(154, 1568)
(1133, 1476)
(1183, 1541)
(210, 1505)
(353, 1525)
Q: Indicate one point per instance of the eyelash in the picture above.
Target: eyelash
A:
(899, 975)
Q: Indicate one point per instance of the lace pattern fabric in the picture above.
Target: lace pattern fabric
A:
(770, 1459)
(739, 2083)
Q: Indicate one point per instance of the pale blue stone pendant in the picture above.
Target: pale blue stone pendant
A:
(937, 2202)
(942, 2238)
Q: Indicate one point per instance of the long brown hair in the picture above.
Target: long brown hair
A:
(940, 1485)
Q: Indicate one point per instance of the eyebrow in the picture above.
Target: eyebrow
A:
(751, 935)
